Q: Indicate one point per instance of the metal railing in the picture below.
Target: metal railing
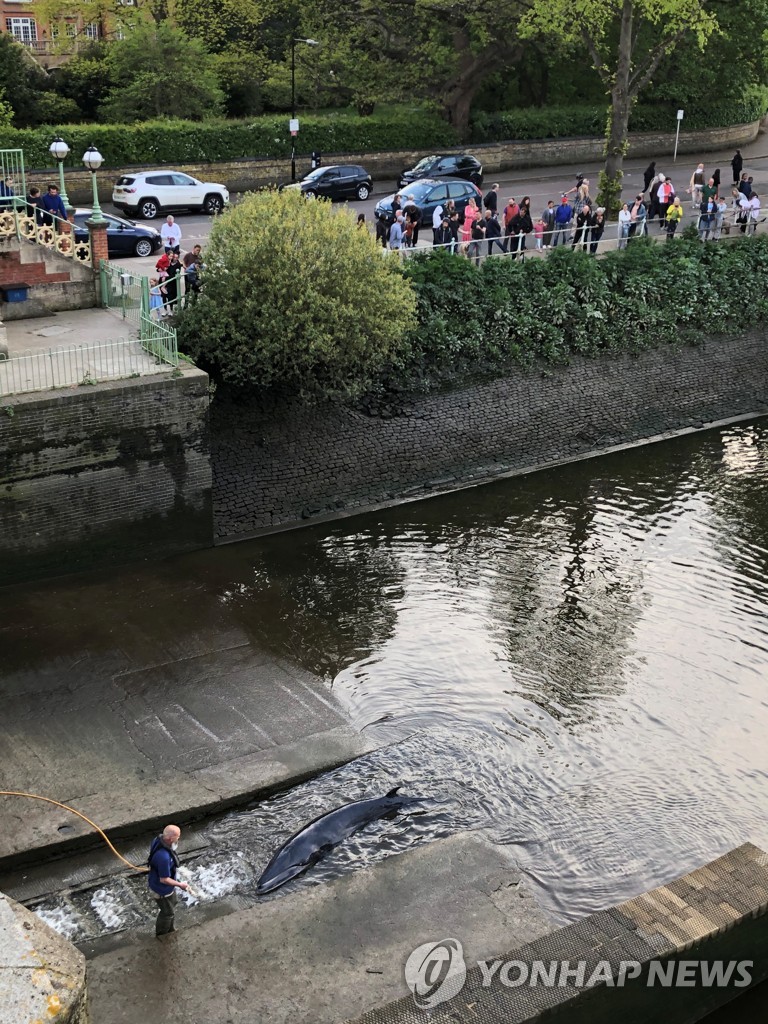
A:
(159, 340)
(13, 180)
(524, 245)
(82, 365)
(128, 295)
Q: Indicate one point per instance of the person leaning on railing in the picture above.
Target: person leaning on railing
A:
(34, 205)
(53, 207)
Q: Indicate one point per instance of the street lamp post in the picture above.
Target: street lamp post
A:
(93, 160)
(309, 42)
(59, 150)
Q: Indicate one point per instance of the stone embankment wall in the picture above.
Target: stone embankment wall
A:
(102, 474)
(42, 975)
(255, 172)
(277, 465)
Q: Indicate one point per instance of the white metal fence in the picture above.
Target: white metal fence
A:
(78, 365)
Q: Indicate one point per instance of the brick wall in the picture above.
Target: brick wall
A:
(275, 465)
(57, 282)
(104, 474)
(255, 172)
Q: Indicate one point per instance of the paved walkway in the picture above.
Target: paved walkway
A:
(144, 703)
(322, 954)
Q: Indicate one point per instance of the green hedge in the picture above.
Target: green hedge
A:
(178, 142)
(475, 321)
(562, 122)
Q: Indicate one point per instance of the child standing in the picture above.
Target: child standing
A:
(155, 299)
(538, 232)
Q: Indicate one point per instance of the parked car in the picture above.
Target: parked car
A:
(124, 238)
(428, 195)
(146, 194)
(445, 165)
(339, 181)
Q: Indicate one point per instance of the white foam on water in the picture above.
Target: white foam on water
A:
(62, 919)
(212, 881)
(107, 908)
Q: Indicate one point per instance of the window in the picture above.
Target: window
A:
(23, 30)
(439, 194)
(458, 191)
(448, 163)
(71, 29)
(160, 179)
(183, 179)
(93, 30)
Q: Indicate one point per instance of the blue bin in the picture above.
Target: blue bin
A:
(17, 293)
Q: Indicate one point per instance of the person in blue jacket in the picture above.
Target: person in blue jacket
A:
(52, 203)
(163, 864)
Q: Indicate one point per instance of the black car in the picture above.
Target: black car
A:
(124, 238)
(445, 165)
(339, 181)
(428, 195)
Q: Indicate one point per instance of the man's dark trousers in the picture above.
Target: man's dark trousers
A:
(164, 923)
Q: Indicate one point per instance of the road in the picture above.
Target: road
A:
(541, 184)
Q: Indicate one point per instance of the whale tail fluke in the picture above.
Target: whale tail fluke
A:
(393, 792)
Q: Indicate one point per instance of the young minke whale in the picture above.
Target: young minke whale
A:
(320, 836)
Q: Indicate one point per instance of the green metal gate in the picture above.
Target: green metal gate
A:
(128, 295)
(124, 292)
(13, 180)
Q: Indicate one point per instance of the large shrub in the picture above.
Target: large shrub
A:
(297, 297)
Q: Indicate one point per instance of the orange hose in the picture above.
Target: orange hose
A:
(66, 807)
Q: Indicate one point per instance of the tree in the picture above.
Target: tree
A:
(86, 79)
(21, 81)
(296, 296)
(627, 41)
(157, 71)
(438, 50)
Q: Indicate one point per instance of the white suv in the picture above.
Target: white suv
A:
(147, 193)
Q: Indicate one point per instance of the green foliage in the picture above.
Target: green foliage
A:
(297, 297)
(6, 112)
(179, 142)
(85, 79)
(609, 192)
(574, 121)
(175, 141)
(22, 81)
(480, 320)
(242, 92)
(54, 109)
(158, 71)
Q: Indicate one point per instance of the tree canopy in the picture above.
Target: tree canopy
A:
(626, 40)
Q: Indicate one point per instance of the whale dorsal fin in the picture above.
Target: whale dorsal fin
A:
(393, 792)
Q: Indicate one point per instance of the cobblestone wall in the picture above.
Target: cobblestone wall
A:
(276, 465)
(103, 474)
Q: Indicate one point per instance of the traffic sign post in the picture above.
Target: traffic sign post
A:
(680, 115)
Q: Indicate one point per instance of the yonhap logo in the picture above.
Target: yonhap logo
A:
(435, 972)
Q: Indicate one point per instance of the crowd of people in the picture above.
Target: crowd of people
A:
(165, 290)
(576, 220)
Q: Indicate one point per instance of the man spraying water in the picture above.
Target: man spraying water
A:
(163, 864)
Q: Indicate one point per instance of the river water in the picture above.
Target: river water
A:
(577, 660)
(574, 663)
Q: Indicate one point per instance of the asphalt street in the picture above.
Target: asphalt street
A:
(540, 183)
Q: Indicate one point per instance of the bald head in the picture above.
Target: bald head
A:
(171, 834)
